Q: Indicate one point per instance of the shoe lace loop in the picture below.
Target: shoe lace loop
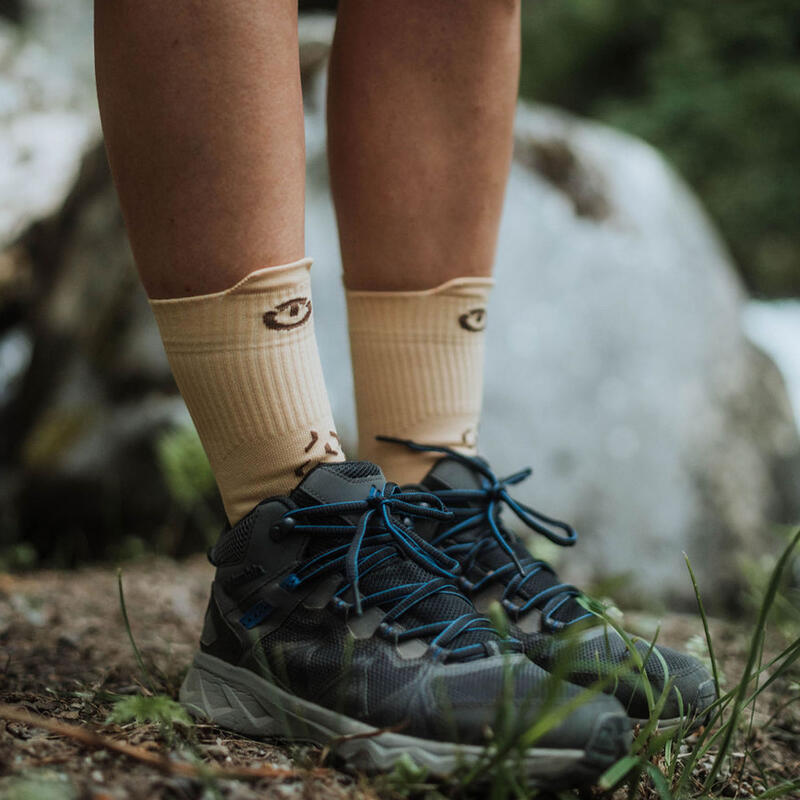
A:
(491, 498)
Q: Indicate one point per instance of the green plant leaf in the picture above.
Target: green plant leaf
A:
(184, 465)
(158, 709)
(616, 772)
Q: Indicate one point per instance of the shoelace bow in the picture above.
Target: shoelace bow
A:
(491, 498)
(377, 538)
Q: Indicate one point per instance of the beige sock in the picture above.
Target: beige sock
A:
(247, 365)
(418, 371)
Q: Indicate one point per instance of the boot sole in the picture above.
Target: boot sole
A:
(706, 695)
(240, 700)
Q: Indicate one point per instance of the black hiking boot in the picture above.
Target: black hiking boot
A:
(332, 621)
(555, 621)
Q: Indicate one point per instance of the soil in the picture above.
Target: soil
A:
(65, 655)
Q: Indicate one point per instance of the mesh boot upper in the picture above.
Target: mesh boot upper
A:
(597, 652)
(303, 633)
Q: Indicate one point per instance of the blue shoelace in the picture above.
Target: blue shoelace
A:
(484, 514)
(376, 539)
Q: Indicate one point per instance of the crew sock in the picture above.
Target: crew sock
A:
(246, 362)
(418, 371)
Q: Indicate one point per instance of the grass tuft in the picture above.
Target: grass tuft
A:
(755, 653)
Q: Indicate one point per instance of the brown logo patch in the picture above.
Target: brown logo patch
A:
(473, 320)
(289, 314)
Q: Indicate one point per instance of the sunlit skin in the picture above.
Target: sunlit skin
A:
(202, 113)
(420, 113)
(203, 119)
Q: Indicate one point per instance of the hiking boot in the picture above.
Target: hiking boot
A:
(555, 621)
(332, 621)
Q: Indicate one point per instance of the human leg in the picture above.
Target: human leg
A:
(202, 113)
(420, 139)
(203, 121)
(429, 145)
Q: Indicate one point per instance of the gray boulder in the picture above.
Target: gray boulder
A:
(85, 390)
(617, 365)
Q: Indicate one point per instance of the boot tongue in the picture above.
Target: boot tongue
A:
(351, 481)
(447, 473)
(338, 483)
(343, 482)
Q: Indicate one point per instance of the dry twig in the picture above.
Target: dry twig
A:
(163, 763)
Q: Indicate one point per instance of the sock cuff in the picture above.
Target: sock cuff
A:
(418, 369)
(455, 287)
(268, 307)
(446, 311)
(261, 279)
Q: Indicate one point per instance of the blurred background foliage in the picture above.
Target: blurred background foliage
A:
(657, 416)
(714, 86)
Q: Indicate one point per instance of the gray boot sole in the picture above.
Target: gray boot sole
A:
(706, 696)
(239, 700)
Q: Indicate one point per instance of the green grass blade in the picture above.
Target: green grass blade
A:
(635, 659)
(555, 715)
(755, 649)
(751, 721)
(704, 618)
(139, 660)
(786, 789)
(617, 771)
(655, 713)
(659, 782)
(792, 654)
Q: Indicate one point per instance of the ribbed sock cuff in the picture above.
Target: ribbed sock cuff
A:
(418, 370)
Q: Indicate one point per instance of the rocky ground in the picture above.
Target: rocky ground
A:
(65, 655)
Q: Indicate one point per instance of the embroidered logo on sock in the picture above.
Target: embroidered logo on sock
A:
(474, 320)
(329, 449)
(289, 314)
(314, 437)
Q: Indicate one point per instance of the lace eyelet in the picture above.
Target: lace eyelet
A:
(282, 528)
(290, 582)
(341, 605)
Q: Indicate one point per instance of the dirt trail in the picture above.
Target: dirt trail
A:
(64, 651)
